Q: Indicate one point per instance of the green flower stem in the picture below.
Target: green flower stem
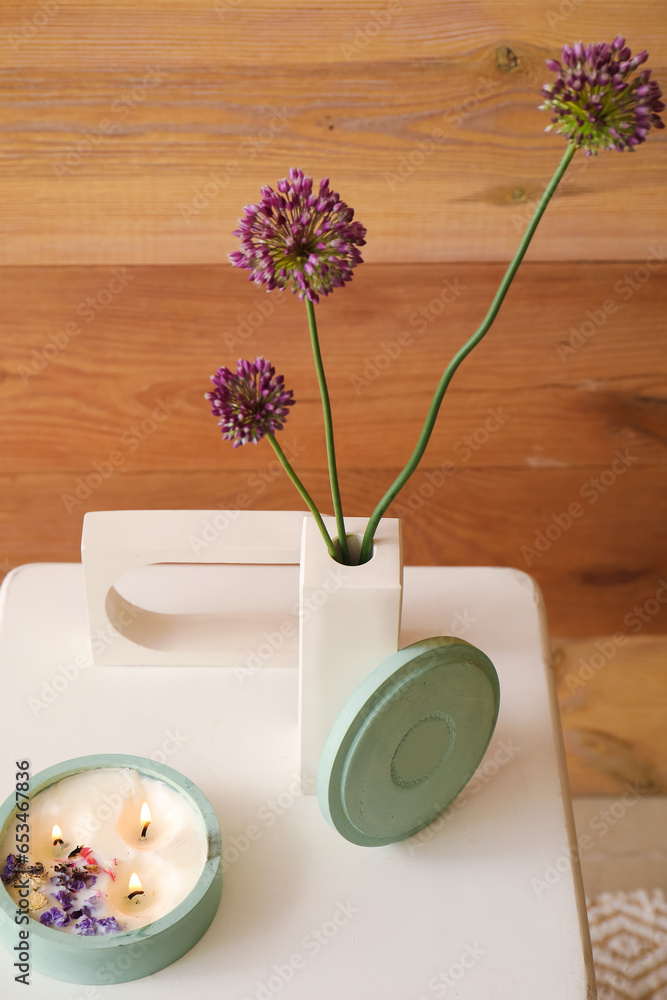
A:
(304, 493)
(401, 480)
(328, 433)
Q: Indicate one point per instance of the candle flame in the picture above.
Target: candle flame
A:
(56, 833)
(145, 813)
(135, 883)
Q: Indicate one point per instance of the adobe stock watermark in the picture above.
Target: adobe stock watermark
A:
(32, 25)
(66, 162)
(378, 21)
(310, 945)
(460, 623)
(624, 288)
(130, 440)
(565, 10)
(273, 642)
(267, 816)
(258, 482)
(600, 824)
(488, 769)
(409, 163)
(225, 7)
(419, 320)
(220, 179)
(607, 648)
(88, 310)
(463, 449)
(112, 971)
(440, 984)
(521, 219)
(248, 325)
(112, 801)
(50, 690)
(591, 491)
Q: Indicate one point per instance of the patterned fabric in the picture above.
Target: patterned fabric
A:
(629, 936)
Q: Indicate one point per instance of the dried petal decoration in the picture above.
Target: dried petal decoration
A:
(108, 925)
(18, 869)
(54, 918)
(71, 878)
(8, 871)
(251, 402)
(593, 102)
(299, 240)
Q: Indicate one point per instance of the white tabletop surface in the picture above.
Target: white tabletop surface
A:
(469, 908)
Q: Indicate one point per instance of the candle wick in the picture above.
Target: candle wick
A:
(137, 892)
(145, 829)
(57, 841)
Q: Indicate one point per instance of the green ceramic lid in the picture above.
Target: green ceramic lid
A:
(408, 741)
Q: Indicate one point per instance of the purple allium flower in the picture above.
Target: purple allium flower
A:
(595, 105)
(86, 926)
(65, 899)
(251, 403)
(8, 872)
(299, 240)
(54, 917)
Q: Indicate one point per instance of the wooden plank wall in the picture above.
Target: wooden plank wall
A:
(117, 114)
(133, 134)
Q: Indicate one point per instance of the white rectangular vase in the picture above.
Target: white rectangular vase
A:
(349, 622)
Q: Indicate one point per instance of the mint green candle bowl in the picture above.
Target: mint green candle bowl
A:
(131, 954)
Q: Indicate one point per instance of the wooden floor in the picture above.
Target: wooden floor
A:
(613, 698)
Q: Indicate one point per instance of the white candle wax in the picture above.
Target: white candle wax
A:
(100, 809)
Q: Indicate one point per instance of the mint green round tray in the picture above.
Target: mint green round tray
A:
(408, 741)
(128, 955)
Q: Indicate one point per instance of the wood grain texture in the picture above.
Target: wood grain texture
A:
(526, 398)
(116, 418)
(613, 701)
(136, 134)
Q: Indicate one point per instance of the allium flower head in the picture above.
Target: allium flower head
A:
(251, 402)
(300, 240)
(593, 102)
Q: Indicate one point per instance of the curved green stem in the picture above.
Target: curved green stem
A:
(431, 417)
(304, 493)
(328, 433)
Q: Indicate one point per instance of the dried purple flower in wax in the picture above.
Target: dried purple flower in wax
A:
(251, 402)
(65, 899)
(108, 925)
(10, 864)
(54, 918)
(300, 240)
(86, 926)
(594, 103)
(18, 869)
(73, 879)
